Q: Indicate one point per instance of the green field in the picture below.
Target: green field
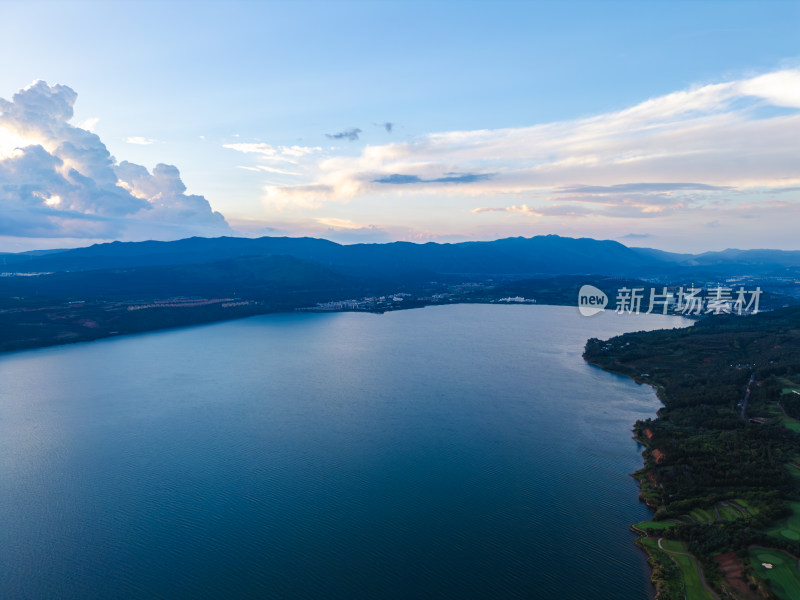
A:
(742, 503)
(783, 576)
(654, 526)
(688, 566)
(789, 384)
(789, 527)
(729, 513)
(788, 422)
(703, 515)
(791, 424)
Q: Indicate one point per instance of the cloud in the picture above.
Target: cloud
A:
(358, 235)
(388, 126)
(90, 124)
(682, 150)
(779, 89)
(523, 209)
(140, 141)
(636, 236)
(256, 228)
(347, 231)
(267, 152)
(629, 207)
(268, 169)
(399, 178)
(639, 187)
(340, 223)
(165, 192)
(348, 134)
(298, 196)
(59, 181)
(785, 190)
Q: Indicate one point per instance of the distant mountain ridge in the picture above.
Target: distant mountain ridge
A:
(535, 256)
(786, 258)
(262, 277)
(128, 287)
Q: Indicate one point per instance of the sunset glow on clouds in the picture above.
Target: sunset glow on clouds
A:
(656, 124)
(710, 151)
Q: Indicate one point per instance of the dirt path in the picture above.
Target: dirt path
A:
(696, 564)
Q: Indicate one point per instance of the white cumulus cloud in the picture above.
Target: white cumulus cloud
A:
(58, 180)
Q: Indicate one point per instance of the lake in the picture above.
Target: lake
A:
(457, 452)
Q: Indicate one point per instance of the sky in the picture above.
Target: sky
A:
(672, 125)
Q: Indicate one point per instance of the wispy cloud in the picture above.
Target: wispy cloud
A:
(401, 179)
(288, 154)
(341, 223)
(639, 187)
(671, 152)
(140, 141)
(348, 134)
(523, 209)
(268, 169)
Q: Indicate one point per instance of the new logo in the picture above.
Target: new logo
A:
(591, 300)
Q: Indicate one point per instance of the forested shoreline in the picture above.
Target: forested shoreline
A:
(721, 457)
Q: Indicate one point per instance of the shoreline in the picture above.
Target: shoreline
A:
(715, 481)
(661, 571)
(179, 320)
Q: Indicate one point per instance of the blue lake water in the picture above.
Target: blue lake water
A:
(449, 452)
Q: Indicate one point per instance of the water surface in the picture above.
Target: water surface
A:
(449, 452)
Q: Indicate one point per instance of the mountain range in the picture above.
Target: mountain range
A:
(60, 296)
(515, 257)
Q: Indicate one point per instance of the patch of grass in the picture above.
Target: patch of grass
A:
(788, 384)
(729, 513)
(703, 515)
(788, 422)
(689, 570)
(744, 504)
(791, 424)
(783, 576)
(788, 528)
(649, 526)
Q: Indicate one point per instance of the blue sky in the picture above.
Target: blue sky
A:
(663, 124)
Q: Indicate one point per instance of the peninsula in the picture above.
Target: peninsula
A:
(722, 458)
